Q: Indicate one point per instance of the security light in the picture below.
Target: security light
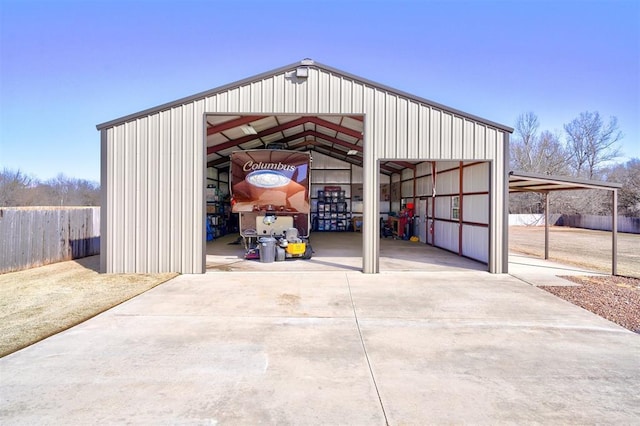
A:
(352, 152)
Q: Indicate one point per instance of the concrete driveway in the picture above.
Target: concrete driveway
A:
(333, 347)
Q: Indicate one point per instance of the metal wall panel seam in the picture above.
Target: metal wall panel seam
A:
(388, 138)
(401, 137)
(104, 190)
(110, 213)
(177, 184)
(199, 207)
(141, 172)
(118, 192)
(492, 219)
(186, 189)
(412, 131)
(130, 195)
(185, 225)
(164, 206)
(152, 195)
(504, 148)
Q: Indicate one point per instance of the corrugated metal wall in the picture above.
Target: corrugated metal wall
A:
(467, 234)
(153, 166)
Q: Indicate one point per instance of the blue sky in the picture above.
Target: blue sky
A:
(68, 65)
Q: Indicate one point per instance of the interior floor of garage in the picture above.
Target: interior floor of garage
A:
(339, 251)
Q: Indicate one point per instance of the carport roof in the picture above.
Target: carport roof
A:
(533, 182)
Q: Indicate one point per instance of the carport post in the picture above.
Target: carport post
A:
(546, 225)
(614, 234)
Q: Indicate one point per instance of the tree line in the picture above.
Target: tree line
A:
(18, 189)
(587, 149)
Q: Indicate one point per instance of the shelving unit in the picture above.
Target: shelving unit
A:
(217, 213)
(332, 212)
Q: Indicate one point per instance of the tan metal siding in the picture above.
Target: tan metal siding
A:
(445, 136)
(142, 173)
(434, 135)
(424, 132)
(346, 95)
(401, 136)
(152, 218)
(480, 142)
(358, 98)
(457, 136)
(468, 136)
(323, 89)
(199, 143)
(255, 97)
(413, 130)
(373, 126)
(389, 144)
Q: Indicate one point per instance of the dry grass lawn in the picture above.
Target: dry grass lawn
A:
(40, 302)
(580, 247)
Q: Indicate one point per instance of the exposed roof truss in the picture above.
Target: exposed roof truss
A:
(339, 136)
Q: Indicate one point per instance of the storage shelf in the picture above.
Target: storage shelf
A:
(332, 213)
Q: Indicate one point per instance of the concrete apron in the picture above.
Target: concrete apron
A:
(331, 348)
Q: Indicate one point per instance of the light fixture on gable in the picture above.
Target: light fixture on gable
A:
(302, 72)
(352, 152)
(248, 130)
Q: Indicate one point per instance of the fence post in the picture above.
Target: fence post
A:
(614, 234)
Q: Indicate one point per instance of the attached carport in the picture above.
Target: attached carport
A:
(155, 163)
(546, 184)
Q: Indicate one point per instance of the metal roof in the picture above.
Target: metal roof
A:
(533, 182)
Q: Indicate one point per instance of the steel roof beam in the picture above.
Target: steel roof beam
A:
(233, 123)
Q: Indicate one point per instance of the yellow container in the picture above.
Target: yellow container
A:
(296, 248)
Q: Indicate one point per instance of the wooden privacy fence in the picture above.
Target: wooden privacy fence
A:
(35, 236)
(601, 223)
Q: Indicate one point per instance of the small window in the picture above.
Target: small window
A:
(455, 207)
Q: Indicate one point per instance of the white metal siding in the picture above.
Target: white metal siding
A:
(446, 235)
(155, 177)
(476, 208)
(475, 242)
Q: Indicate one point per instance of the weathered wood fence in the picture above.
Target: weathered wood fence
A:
(35, 236)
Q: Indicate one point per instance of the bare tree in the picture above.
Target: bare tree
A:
(67, 191)
(551, 155)
(592, 143)
(18, 189)
(523, 144)
(537, 153)
(628, 175)
(13, 186)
